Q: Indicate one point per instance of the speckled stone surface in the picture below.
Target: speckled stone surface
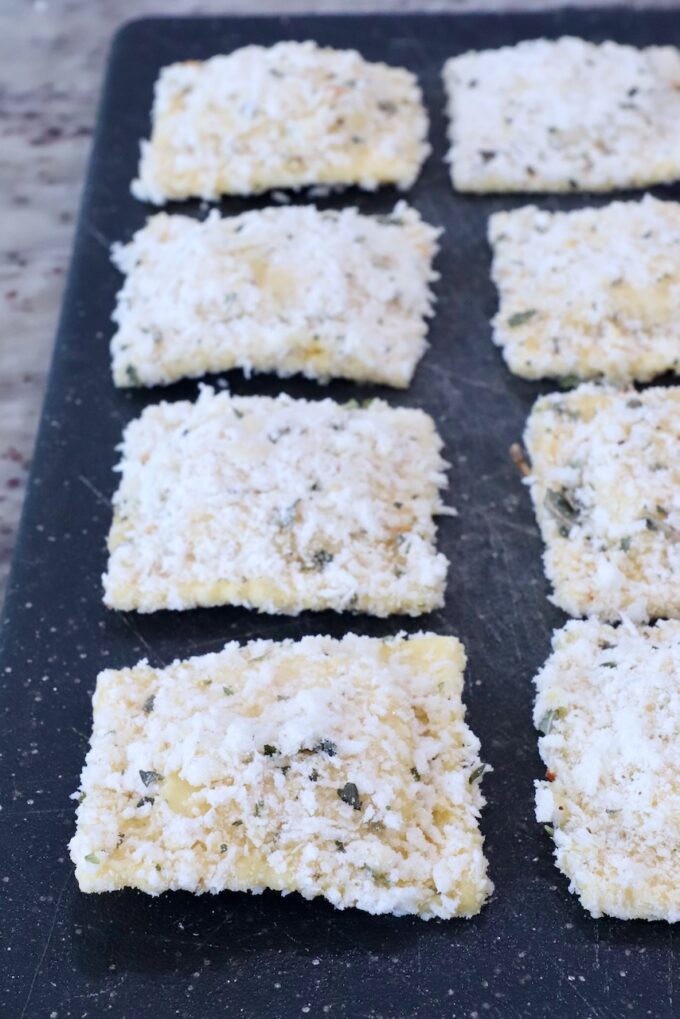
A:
(52, 60)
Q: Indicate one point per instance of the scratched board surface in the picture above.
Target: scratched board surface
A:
(532, 951)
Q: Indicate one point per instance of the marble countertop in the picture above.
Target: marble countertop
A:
(52, 58)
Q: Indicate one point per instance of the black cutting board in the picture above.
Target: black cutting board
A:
(532, 951)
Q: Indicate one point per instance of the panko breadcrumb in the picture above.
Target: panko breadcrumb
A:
(287, 290)
(278, 504)
(567, 115)
(605, 483)
(608, 707)
(286, 116)
(335, 768)
(592, 293)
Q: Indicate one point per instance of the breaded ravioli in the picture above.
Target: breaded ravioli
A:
(283, 290)
(280, 505)
(565, 115)
(605, 483)
(286, 116)
(588, 294)
(335, 768)
(608, 708)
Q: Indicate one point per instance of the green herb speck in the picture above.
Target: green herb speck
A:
(349, 794)
(92, 858)
(325, 746)
(149, 777)
(520, 317)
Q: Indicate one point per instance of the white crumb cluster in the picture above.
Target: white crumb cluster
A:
(592, 293)
(567, 115)
(278, 504)
(605, 483)
(608, 705)
(286, 116)
(335, 768)
(290, 289)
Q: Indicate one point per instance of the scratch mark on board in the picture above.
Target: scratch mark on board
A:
(95, 491)
(47, 945)
(152, 652)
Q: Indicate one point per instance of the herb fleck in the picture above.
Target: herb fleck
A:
(146, 799)
(147, 706)
(325, 746)
(223, 847)
(546, 723)
(320, 559)
(568, 381)
(236, 824)
(269, 750)
(132, 376)
(227, 690)
(149, 777)
(562, 509)
(258, 807)
(520, 317)
(92, 858)
(313, 775)
(340, 846)
(349, 794)
(625, 544)
(286, 516)
(476, 774)
(416, 774)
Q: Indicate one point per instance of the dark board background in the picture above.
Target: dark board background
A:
(532, 951)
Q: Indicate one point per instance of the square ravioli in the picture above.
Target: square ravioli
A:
(605, 483)
(335, 768)
(286, 116)
(608, 706)
(237, 292)
(589, 294)
(278, 504)
(567, 115)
